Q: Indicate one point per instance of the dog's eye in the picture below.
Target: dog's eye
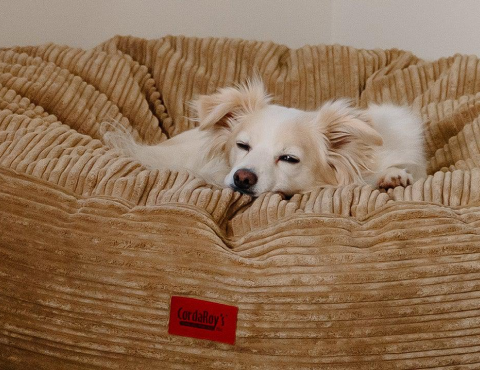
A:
(288, 158)
(243, 146)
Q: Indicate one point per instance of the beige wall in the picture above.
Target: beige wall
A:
(430, 28)
(86, 23)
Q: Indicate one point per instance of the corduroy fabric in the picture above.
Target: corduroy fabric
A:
(93, 244)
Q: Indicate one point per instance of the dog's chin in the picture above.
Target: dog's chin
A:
(255, 195)
(244, 191)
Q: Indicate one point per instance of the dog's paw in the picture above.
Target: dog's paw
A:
(394, 177)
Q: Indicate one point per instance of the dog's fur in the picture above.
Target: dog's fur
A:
(245, 142)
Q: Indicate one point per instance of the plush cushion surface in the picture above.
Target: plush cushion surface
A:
(93, 244)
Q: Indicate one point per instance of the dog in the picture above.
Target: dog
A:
(245, 142)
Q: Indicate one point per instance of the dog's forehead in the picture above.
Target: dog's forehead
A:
(277, 128)
(281, 115)
(275, 118)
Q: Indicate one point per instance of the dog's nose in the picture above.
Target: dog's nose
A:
(244, 179)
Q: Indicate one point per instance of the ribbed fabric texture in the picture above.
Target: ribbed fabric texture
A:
(93, 244)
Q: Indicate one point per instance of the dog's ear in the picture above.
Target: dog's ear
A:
(350, 139)
(346, 127)
(220, 109)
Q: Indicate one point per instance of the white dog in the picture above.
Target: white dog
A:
(245, 142)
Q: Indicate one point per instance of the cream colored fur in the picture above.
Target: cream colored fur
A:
(289, 150)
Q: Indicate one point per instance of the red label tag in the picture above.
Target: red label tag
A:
(195, 318)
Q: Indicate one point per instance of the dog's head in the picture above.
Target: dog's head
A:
(286, 150)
